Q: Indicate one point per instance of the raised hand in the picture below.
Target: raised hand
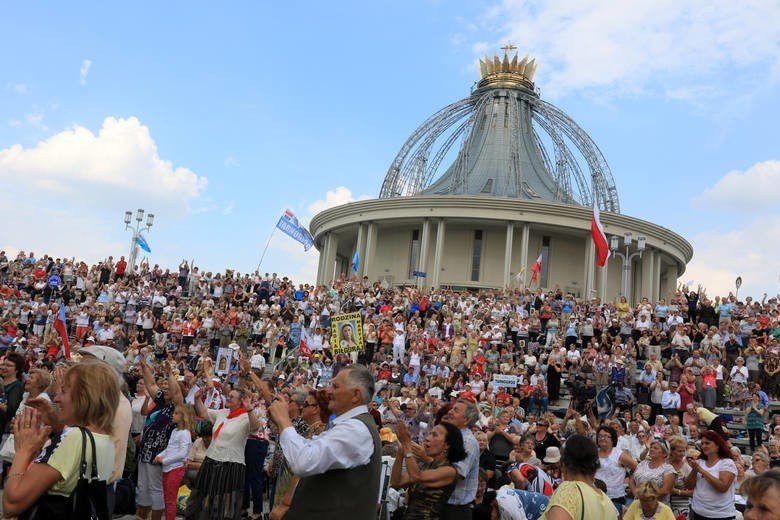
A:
(30, 433)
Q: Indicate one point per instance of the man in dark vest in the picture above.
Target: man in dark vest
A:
(338, 470)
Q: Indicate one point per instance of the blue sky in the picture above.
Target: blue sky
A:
(217, 117)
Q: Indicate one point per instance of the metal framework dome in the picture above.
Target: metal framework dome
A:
(512, 144)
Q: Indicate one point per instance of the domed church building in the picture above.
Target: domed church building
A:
(488, 185)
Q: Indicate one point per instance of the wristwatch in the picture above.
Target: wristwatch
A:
(408, 456)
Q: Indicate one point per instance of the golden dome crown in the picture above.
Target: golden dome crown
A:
(507, 72)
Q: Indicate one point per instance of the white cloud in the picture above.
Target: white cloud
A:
(630, 46)
(84, 71)
(19, 88)
(741, 232)
(35, 119)
(62, 190)
(755, 189)
(231, 162)
(337, 197)
(719, 257)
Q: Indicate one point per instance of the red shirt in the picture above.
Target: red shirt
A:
(121, 266)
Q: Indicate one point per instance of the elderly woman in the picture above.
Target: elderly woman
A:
(760, 463)
(430, 482)
(503, 436)
(218, 491)
(655, 469)
(88, 401)
(316, 413)
(577, 497)
(763, 496)
(12, 372)
(647, 504)
(37, 382)
(613, 463)
(679, 498)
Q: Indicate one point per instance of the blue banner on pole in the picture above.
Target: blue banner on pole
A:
(355, 262)
(419, 274)
(143, 245)
(290, 226)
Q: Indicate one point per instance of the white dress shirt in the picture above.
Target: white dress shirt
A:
(670, 400)
(346, 444)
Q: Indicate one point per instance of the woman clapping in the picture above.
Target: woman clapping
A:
(431, 481)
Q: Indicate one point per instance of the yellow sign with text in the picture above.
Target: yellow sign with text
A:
(346, 333)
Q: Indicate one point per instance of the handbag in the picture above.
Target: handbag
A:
(8, 451)
(89, 499)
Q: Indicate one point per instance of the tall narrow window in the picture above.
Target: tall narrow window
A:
(545, 262)
(414, 252)
(476, 256)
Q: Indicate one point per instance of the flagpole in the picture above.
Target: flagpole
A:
(266, 248)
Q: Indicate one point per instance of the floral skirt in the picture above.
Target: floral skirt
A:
(218, 491)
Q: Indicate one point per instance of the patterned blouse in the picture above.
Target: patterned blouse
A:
(426, 503)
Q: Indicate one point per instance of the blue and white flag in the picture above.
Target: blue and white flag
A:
(604, 404)
(290, 226)
(143, 245)
(355, 262)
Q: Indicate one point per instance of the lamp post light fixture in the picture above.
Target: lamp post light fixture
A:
(137, 231)
(628, 258)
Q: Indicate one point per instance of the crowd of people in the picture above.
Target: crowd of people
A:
(224, 395)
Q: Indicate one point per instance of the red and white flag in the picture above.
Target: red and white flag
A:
(305, 345)
(61, 327)
(599, 238)
(536, 268)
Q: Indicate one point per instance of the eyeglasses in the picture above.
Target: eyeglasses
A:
(545, 425)
(307, 405)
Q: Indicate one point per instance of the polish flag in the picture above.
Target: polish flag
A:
(61, 327)
(536, 268)
(305, 345)
(599, 238)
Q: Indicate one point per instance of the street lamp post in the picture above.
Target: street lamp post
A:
(137, 231)
(627, 257)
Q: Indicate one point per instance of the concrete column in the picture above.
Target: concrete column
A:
(587, 280)
(603, 281)
(657, 277)
(648, 270)
(368, 255)
(510, 234)
(329, 266)
(524, 238)
(423, 263)
(320, 261)
(438, 253)
(361, 239)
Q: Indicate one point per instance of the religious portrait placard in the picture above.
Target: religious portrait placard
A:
(346, 333)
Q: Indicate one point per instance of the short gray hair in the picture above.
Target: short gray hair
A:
(358, 376)
(299, 396)
(470, 412)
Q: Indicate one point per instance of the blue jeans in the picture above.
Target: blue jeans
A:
(254, 454)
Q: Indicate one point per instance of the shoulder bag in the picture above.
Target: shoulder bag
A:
(89, 499)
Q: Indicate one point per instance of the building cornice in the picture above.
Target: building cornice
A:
(497, 209)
